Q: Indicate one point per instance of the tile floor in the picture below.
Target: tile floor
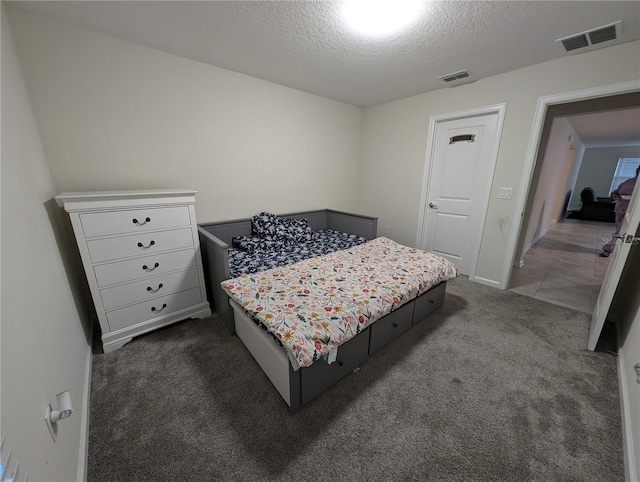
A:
(563, 267)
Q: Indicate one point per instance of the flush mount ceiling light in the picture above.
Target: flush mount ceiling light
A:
(380, 17)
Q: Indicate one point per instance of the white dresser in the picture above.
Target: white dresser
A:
(141, 256)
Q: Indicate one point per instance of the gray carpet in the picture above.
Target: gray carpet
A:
(493, 386)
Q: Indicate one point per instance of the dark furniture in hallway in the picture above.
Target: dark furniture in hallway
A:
(594, 208)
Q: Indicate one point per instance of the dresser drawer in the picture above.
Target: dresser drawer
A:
(144, 267)
(132, 315)
(124, 222)
(148, 289)
(139, 244)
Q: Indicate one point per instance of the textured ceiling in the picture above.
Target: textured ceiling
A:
(305, 45)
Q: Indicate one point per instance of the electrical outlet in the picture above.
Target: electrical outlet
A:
(387, 230)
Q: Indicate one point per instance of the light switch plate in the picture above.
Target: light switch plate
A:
(505, 193)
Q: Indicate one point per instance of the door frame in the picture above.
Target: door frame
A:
(532, 153)
(434, 121)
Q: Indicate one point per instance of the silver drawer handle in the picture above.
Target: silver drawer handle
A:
(146, 268)
(151, 290)
(155, 310)
(142, 246)
(138, 223)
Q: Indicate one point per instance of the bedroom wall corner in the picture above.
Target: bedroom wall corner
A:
(117, 115)
(43, 346)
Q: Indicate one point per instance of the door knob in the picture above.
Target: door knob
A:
(433, 205)
(627, 238)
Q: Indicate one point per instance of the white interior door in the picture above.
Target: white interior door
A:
(459, 185)
(625, 242)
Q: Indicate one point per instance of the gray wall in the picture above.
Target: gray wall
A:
(44, 341)
(597, 170)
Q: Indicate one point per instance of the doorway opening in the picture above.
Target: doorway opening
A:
(556, 257)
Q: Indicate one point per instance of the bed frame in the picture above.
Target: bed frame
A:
(299, 387)
(215, 239)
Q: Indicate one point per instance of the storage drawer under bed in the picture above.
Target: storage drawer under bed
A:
(390, 327)
(428, 302)
(318, 377)
(301, 386)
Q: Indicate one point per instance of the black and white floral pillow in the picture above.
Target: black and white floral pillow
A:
(265, 225)
(272, 227)
(296, 230)
(252, 244)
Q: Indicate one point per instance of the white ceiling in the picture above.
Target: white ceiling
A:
(614, 128)
(304, 44)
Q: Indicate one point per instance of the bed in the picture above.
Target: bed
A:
(218, 251)
(311, 323)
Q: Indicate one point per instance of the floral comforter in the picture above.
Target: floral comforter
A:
(314, 306)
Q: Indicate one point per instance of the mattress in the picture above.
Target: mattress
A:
(315, 305)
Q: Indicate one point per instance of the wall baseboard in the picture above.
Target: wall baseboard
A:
(627, 434)
(534, 241)
(486, 282)
(83, 456)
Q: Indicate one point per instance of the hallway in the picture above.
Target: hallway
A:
(563, 267)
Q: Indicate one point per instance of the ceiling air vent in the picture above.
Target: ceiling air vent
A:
(590, 38)
(574, 43)
(603, 35)
(462, 74)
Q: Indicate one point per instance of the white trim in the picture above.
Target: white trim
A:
(532, 152)
(486, 282)
(499, 110)
(426, 171)
(83, 456)
(627, 434)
